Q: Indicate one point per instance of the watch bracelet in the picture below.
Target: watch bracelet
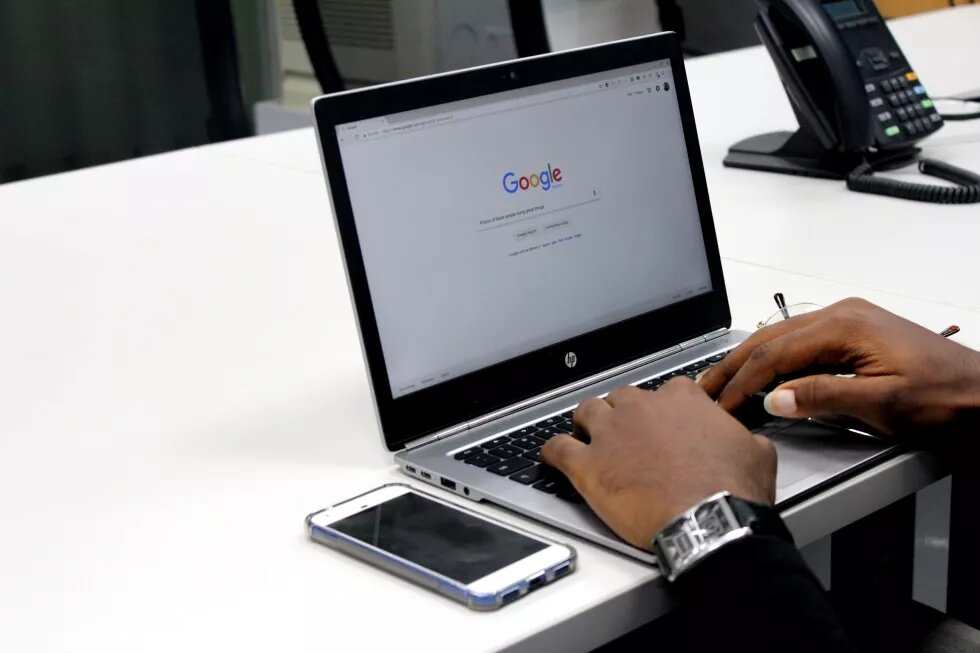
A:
(688, 539)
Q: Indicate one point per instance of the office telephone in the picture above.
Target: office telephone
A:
(860, 105)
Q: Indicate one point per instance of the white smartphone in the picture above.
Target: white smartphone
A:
(479, 562)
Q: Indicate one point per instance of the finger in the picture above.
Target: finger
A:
(566, 454)
(623, 394)
(714, 380)
(826, 395)
(589, 415)
(770, 451)
(816, 344)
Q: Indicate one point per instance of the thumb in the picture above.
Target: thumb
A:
(566, 454)
(824, 395)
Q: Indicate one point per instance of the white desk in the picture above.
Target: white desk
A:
(181, 382)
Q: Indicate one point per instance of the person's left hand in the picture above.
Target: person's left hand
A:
(653, 455)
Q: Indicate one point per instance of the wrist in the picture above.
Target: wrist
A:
(967, 406)
(709, 526)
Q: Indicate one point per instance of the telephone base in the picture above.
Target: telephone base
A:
(795, 153)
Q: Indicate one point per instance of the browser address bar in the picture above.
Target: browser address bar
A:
(412, 123)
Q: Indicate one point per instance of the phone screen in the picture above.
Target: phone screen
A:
(439, 538)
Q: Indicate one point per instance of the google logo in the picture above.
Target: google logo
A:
(543, 180)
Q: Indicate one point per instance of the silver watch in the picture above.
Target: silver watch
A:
(700, 531)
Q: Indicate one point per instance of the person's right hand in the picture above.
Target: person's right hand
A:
(907, 380)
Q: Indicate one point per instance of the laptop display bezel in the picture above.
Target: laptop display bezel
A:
(478, 393)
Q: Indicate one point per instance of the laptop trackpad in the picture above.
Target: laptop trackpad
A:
(812, 452)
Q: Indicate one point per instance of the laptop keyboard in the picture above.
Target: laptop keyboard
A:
(517, 454)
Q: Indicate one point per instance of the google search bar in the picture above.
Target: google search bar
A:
(540, 210)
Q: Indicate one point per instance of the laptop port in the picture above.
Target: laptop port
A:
(410, 469)
(427, 475)
(564, 569)
(535, 582)
(511, 596)
(447, 483)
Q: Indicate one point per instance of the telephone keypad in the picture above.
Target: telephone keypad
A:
(911, 109)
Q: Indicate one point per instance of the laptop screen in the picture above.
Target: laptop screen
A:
(496, 226)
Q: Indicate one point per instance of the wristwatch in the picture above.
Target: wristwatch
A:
(707, 527)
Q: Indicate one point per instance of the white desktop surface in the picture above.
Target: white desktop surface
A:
(181, 382)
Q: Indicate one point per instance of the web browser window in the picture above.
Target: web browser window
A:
(500, 225)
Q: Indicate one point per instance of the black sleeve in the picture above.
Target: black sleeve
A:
(757, 594)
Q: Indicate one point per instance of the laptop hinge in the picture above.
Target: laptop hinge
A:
(558, 392)
(715, 334)
(572, 387)
(438, 435)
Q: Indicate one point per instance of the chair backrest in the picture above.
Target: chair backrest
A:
(219, 53)
(314, 32)
(527, 24)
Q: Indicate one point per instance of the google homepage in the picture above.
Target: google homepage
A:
(502, 226)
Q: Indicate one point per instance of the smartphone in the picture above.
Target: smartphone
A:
(479, 562)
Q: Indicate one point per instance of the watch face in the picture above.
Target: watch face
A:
(712, 521)
(696, 534)
(678, 545)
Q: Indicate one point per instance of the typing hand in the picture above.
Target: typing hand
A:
(907, 379)
(653, 455)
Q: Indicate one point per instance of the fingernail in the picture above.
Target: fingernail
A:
(781, 403)
(700, 375)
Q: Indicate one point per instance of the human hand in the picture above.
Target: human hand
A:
(907, 379)
(653, 455)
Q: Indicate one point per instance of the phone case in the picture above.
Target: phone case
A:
(429, 579)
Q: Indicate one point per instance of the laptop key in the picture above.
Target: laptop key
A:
(565, 426)
(533, 454)
(570, 495)
(568, 414)
(551, 421)
(550, 432)
(520, 433)
(496, 442)
(466, 453)
(527, 442)
(547, 485)
(481, 460)
(528, 475)
(508, 467)
(717, 357)
(505, 451)
(695, 366)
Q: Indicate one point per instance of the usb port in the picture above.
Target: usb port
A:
(447, 483)
(535, 582)
(410, 468)
(564, 569)
(511, 595)
(426, 475)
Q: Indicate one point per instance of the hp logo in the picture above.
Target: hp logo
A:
(571, 359)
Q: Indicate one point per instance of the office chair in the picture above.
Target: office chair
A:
(314, 34)
(219, 53)
(527, 24)
(671, 18)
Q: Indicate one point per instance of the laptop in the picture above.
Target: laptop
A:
(520, 236)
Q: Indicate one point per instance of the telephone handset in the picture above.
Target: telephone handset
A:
(859, 103)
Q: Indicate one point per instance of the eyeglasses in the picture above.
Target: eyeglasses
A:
(793, 310)
(786, 312)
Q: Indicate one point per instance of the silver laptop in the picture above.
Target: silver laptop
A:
(521, 236)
